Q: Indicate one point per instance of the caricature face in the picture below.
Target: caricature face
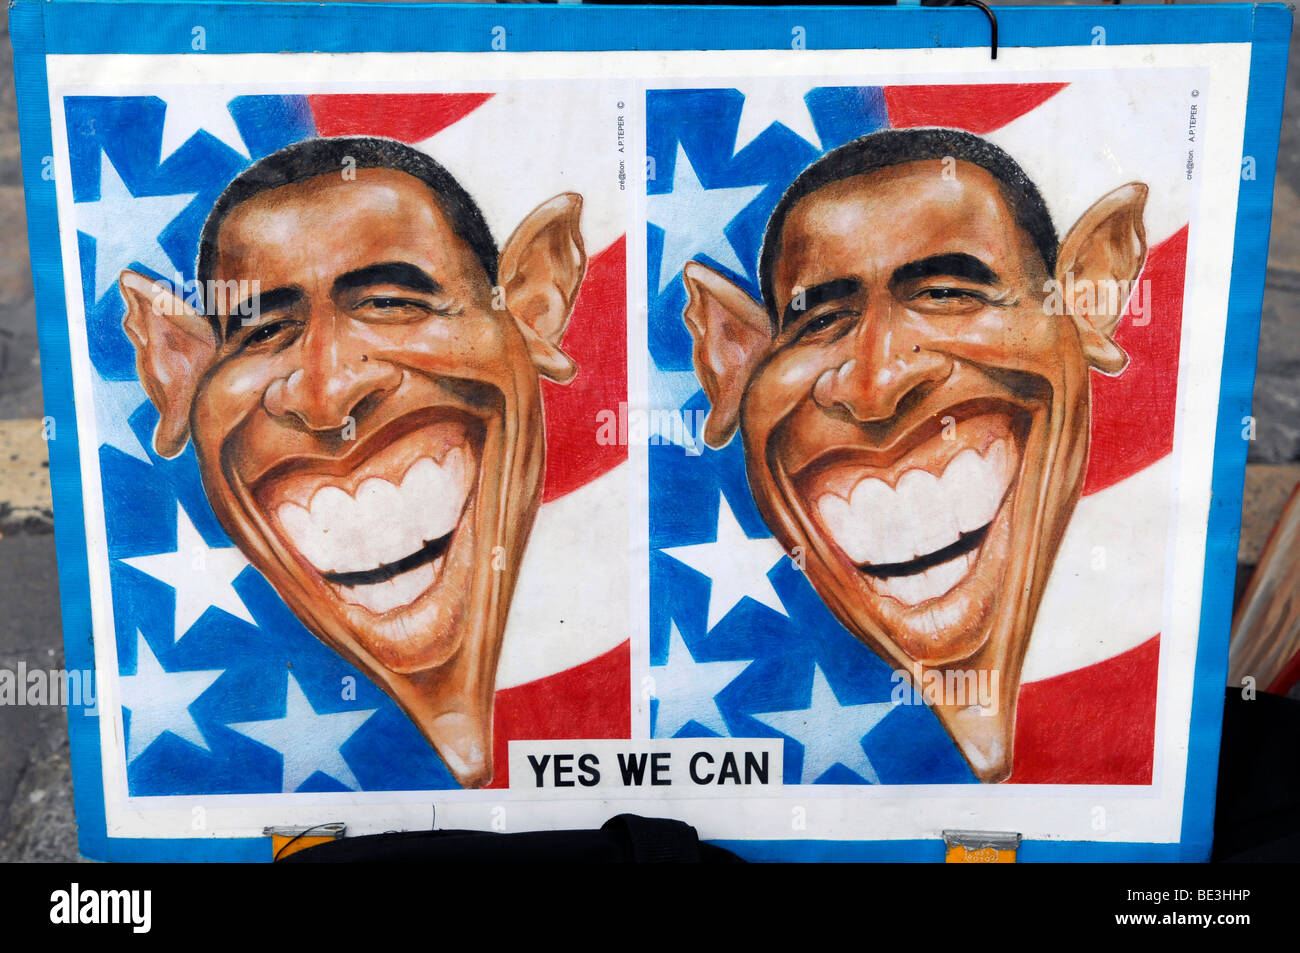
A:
(920, 424)
(374, 438)
(916, 418)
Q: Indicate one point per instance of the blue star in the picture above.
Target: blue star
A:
(686, 689)
(736, 565)
(202, 575)
(160, 701)
(197, 111)
(669, 390)
(694, 220)
(126, 227)
(115, 402)
(829, 732)
(771, 101)
(308, 740)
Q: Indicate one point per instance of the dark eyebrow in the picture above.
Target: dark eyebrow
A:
(953, 264)
(387, 273)
(259, 304)
(820, 294)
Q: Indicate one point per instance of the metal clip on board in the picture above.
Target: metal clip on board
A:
(290, 840)
(993, 18)
(980, 847)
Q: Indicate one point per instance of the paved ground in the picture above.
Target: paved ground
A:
(36, 818)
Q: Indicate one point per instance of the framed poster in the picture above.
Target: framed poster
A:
(792, 421)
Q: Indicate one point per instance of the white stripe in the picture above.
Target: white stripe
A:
(1106, 151)
(567, 144)
(1106, 594)
(571, 602)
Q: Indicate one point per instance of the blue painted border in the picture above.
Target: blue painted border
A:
(100, 26)
(26, 31)
(1270, 46)
(112, 26)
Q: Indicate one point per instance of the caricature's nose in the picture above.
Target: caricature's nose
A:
(334, 377)
(887, 358)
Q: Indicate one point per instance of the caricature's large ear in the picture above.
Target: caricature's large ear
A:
(174, 347)
(1099, 260)
(732, 335)
(541, 269)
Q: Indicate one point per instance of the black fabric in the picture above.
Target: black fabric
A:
(1257, 814)
(627, 838)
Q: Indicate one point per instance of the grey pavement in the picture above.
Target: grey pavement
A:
(36, 815)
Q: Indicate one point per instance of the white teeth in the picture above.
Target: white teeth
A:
(923, 514)
(883, 538)
(939, 579)
(982, 479)
(383, 596)
(931, 584)
(932, 528)
(382, 523)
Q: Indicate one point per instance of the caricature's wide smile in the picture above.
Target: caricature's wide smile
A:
(922, 528)
(376, 525)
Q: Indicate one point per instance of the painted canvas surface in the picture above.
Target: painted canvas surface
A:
(815, 445)
(332, 455)
(935, 362)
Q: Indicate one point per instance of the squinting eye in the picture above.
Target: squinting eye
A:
(822, 323)
(394, 304)
(265, 332)
(950, 294)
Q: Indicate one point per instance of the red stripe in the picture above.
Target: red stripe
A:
(409, 117)
(975, 108)
(1095, 725)
(597, 341)
(590, 700)
(1133, 414)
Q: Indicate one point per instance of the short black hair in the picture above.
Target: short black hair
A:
(331, 156)
(890, 147)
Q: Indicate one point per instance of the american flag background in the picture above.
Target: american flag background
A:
(740, 643)
(222, 690)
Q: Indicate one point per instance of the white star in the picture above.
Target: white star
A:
(160, 701)
(202, 575)
(126, 227)
(694, 218)
(769, 102)
(692, 687)
(115, 402)
(192, 111)
(669, 390)
(830, 733)
(308, 740)
(736, 564)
